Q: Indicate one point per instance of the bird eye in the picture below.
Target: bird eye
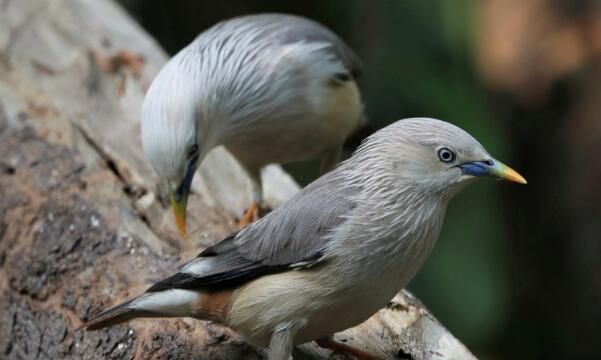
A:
(342, 77)
(193, 151)
(446, 155)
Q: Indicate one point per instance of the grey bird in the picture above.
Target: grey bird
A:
(272, 88)
(336, 252)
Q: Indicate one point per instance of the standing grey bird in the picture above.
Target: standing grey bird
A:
(271, 88)
(335, 253)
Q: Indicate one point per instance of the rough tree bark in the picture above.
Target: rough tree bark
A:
(81, 224)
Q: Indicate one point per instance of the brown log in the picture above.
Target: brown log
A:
(82, 226)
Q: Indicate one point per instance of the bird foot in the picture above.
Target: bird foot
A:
(344, 349)
(252, 214)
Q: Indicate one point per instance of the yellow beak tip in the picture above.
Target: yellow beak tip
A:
(513, 176)
(179, 211)
(182, 230)
(181, 226)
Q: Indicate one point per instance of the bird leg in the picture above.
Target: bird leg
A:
(281, 344)
(342, 348)
(329, 159)
(250, 215)
(253, 214)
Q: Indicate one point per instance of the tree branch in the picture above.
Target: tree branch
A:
(82, 225)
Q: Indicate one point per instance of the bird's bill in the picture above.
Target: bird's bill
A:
(179, 210)
(493, 168)
(179, 197)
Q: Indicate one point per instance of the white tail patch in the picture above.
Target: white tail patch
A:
(175, 302)
(200, 266)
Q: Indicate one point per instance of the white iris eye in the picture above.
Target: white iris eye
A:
(446, 155)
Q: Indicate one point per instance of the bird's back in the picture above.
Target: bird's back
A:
(262, 75)
(282, 29)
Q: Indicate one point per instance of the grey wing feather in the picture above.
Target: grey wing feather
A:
(289, 29)
(294, 235)
(297, 29)
(298, 230)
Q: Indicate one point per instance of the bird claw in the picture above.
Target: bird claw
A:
(348, 351)
(252, 214)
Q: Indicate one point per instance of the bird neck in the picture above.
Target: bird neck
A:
(403, 221)
(393, 243)
(392, 230)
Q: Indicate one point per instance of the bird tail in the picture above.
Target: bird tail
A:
(167, 303)
(116, 315)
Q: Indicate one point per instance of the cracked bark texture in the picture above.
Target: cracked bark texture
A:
(82, 225)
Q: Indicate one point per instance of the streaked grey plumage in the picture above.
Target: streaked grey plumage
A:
(272, 88)
(336, 252)
(290, 29)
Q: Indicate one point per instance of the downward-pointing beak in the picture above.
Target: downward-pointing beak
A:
(179, 210)
(179, 198)
(492, 168)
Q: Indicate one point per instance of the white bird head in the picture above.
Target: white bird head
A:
(171, 137)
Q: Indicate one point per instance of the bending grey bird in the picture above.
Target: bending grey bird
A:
(271, 88)
(335, 253)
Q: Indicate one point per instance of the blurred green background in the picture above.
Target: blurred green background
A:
(516, 273)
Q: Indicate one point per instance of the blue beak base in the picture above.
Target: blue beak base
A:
(477, 168)
(493, 168)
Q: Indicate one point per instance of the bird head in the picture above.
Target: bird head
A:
(172, 139)
(434, 157)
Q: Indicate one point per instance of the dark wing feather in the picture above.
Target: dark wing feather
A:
(217, 281)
